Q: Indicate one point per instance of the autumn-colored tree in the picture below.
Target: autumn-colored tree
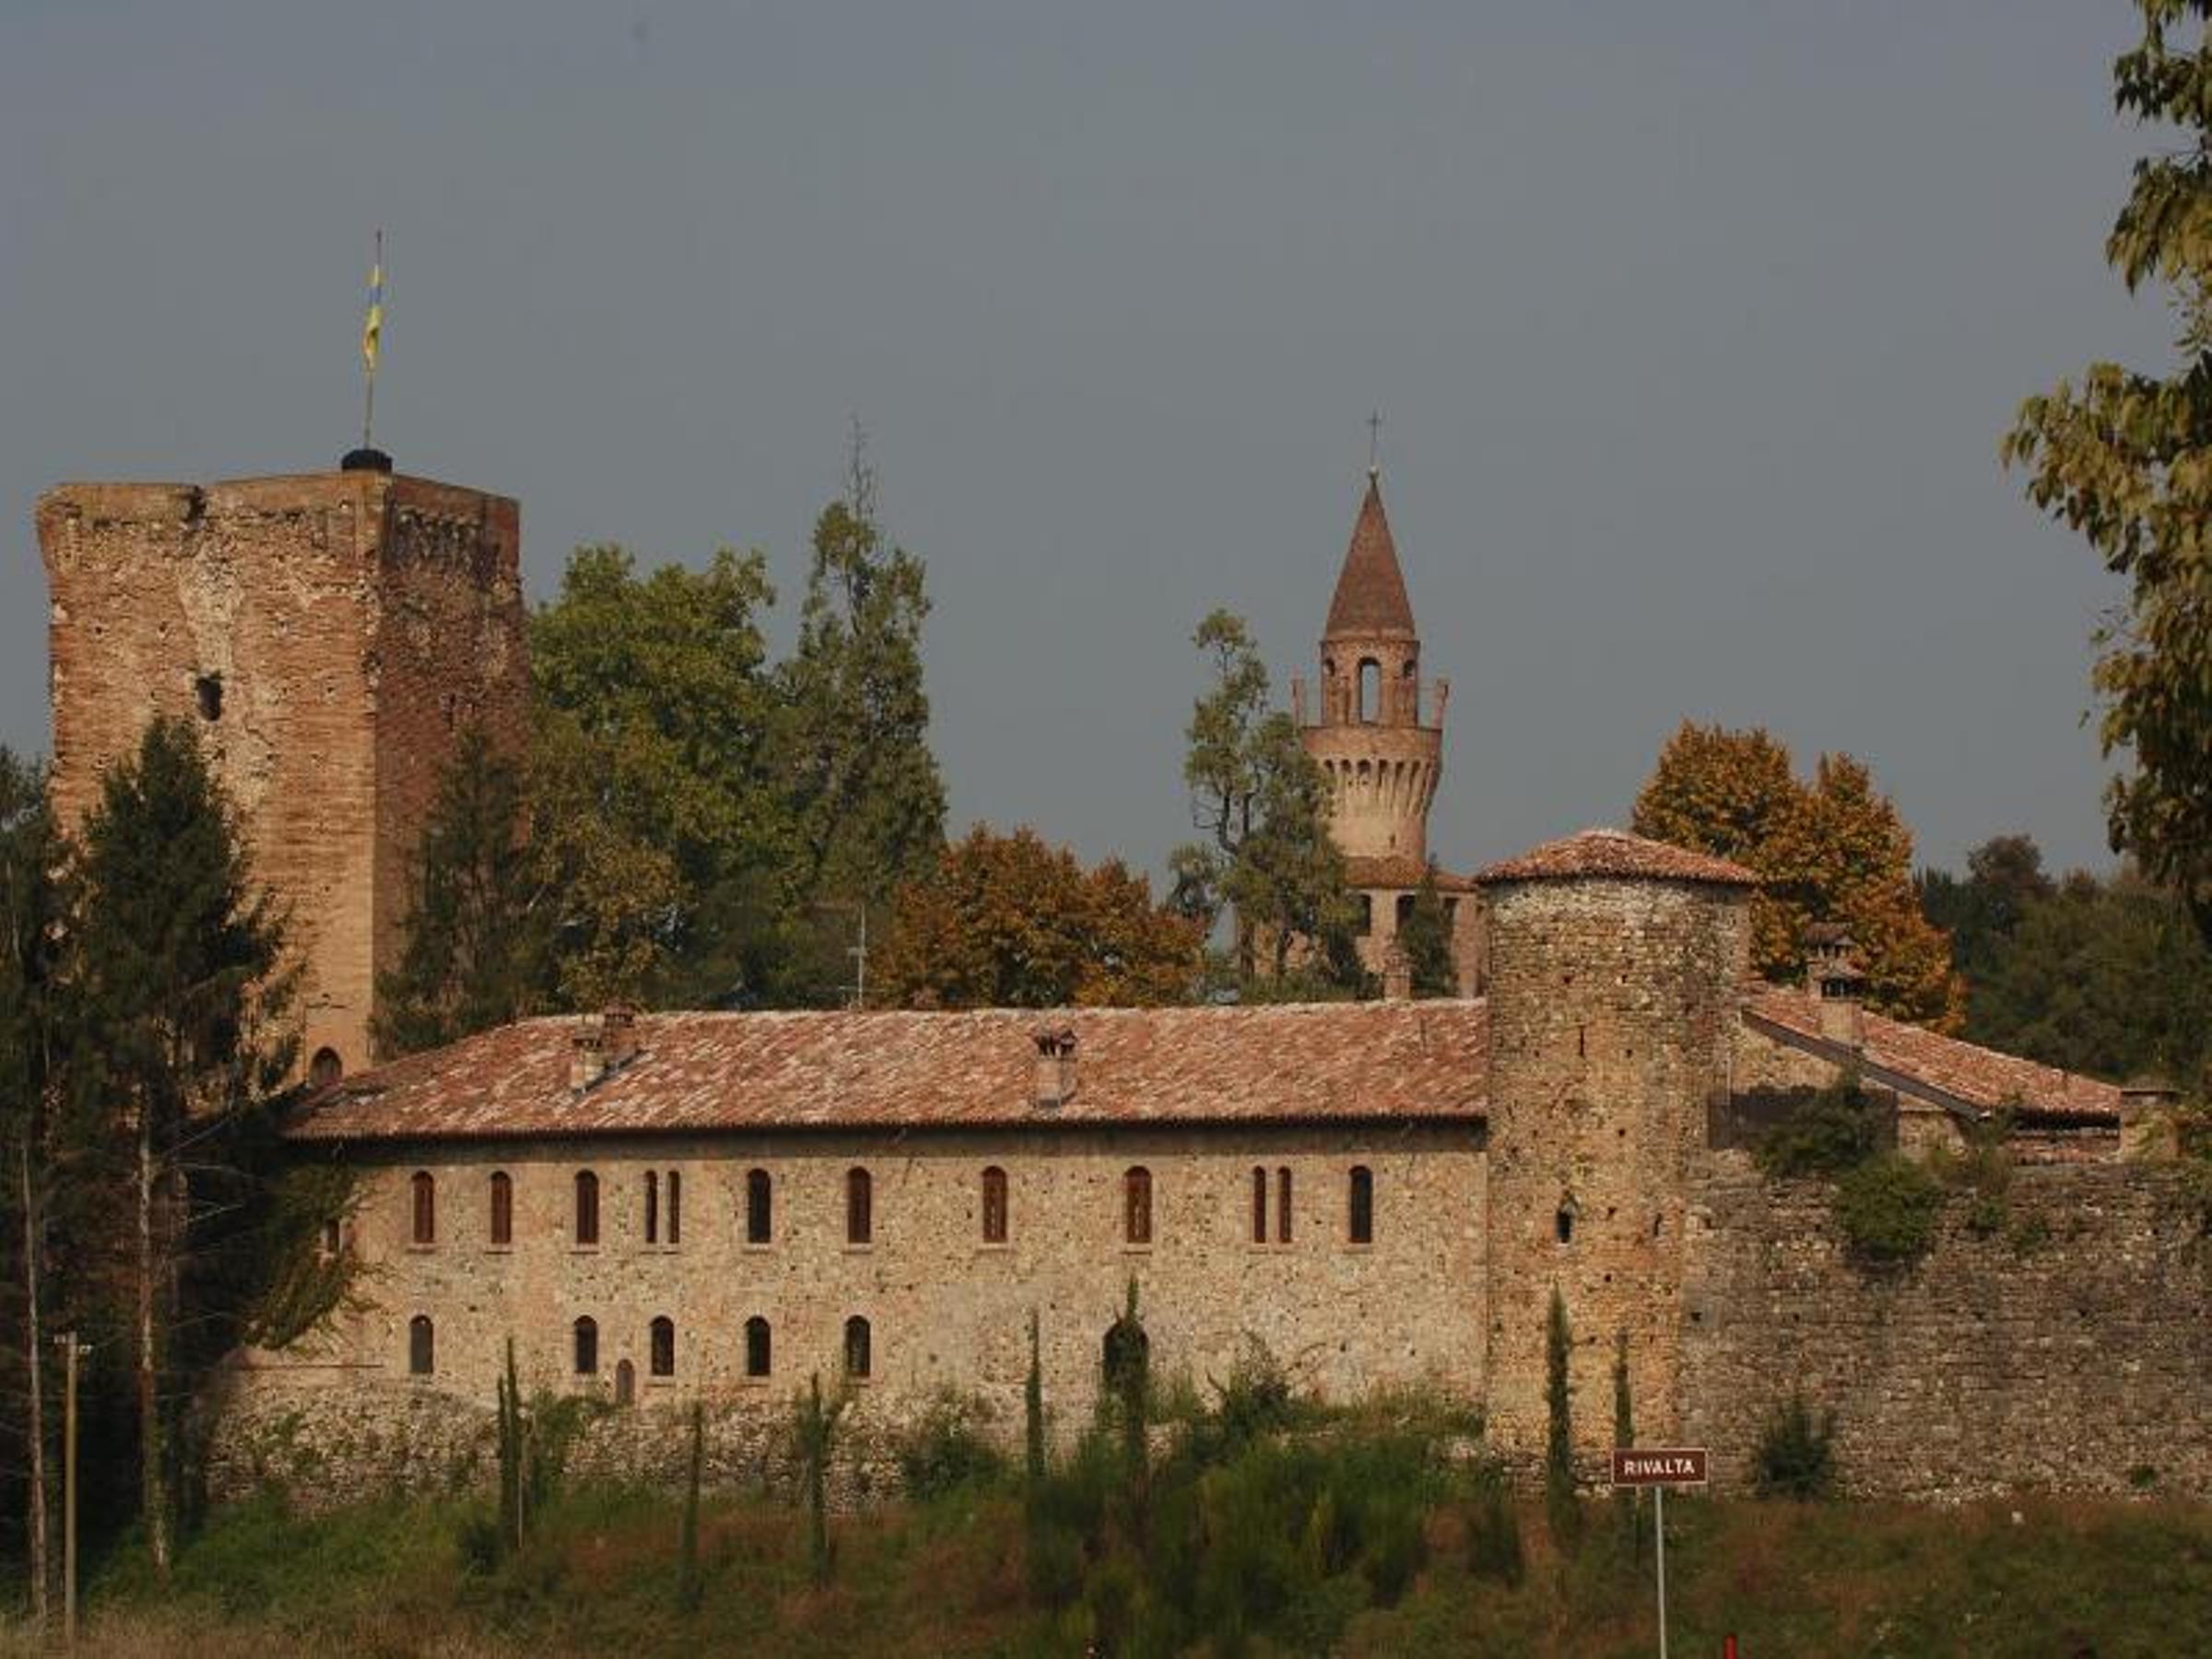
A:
(1005, 920)
(2126, 459)
(1834, 851)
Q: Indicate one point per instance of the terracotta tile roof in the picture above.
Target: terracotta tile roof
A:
(1399, 871)
(1972, 1075)
(1616, 852)
(1326, 1062)
(1370, 589)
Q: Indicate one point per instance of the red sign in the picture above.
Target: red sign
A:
(1658, 1466)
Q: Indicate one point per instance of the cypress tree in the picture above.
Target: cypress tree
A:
(1560, 1504)
(1032, 1410)
(689, 1586)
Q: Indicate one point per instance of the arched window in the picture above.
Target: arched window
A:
(652, 1207)
(587, 1207)
(421, 1347)
(756, 1346)
(1136, 1206)
(995, 1206)
(1405, 910)
(664, 1346)
(759, 1194)
(1360, 1208)
(1282, 1204)
(675, 1207)
(1371, 689)
(425, 1192)
(860, 1208)
(587, 1347)
(325, 1069)
(857, 1357)
(502, 1208)
(1259, 1205)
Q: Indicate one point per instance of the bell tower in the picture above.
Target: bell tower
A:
(1380, 749)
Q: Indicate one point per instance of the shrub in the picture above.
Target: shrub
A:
(1836, 1130)
(948, 1449)
(1887, 1209)
(1494, 1531)
(1796, 1456)
(1256, 1399)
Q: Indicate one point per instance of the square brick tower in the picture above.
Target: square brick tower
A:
(331, 635)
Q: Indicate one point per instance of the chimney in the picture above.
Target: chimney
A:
(1055, 1067)
(600, 1045)
(1836, 982)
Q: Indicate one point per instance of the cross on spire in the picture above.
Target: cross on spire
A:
(1374, 443)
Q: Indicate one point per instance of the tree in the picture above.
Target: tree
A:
(1560, 1504)
(478, 946)
(182, 985)
(1005, 921)
(1624, 1430)
(34, 902)
(2126, 459)
(1834, 851)
(669, 845)
(2003, 877)
(1263, 806)
(865, 789)
(1426, 938)
(814, 1434)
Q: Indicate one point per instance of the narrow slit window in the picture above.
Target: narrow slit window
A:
(587, 1347)
(1136, 1206)
(422, 1347)
(860, 1208)
(859, 1360)
(1360, 1205)
(1259, 1205)
(995, 1206)
(587, 1207)
(424, 1188)
(759, 1196)
(652, 1207)
(1282, 1204)
(756, 1352)
(664, 1346)
(675, 1207)
(502, 1208)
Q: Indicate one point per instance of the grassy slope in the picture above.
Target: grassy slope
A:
(946, 1578)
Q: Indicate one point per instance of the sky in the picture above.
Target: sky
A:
(1693, 329)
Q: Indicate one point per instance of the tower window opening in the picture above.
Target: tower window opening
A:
(325, 1069)
(207, 692)
(1370, 690)
(1562, 1225)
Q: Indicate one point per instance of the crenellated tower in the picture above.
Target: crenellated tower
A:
(1380, 749)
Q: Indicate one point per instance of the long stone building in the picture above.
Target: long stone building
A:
(656, 1209)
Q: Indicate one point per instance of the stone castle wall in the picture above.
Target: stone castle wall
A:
(1611, 1004)
(2069, 1347)
(324, 633)
(946, 1311)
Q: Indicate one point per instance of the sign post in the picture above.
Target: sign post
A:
(1659, 1467)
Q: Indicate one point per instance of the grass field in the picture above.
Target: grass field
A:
(948, 1577)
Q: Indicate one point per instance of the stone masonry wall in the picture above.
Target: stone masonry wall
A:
(347, 618)
(2070, 1348)
(947, 1310)
(1610, 1006)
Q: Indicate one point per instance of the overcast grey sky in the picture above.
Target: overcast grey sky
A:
(1694, 327)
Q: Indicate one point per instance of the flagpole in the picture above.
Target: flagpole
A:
(376, 300)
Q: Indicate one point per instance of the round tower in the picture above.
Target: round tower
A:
(1368, 733)
(1614, 968)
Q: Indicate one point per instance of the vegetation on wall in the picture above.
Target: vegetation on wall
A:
(1796, 1456)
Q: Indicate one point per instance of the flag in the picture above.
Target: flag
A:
(372, 326)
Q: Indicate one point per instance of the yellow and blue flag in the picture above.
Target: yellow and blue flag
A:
(372, 326)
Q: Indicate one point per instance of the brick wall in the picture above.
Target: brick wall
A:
(345, 616)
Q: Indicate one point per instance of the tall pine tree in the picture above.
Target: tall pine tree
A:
(182, 989)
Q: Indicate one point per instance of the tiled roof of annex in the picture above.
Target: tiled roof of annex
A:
(702, 1072)
(1601, 853)
(1968, 1073)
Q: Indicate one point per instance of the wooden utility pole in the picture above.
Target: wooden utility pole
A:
(72, 1350)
